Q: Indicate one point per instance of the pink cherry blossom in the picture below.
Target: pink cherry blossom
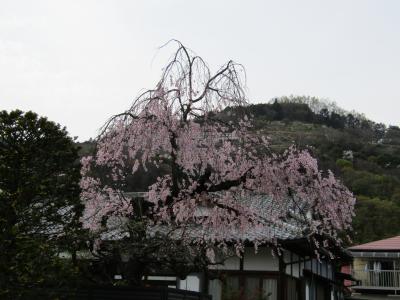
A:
(217, 169)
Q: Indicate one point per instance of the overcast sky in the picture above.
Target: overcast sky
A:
(78, 62)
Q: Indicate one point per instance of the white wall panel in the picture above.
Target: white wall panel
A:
(262, 261)
(191, 283)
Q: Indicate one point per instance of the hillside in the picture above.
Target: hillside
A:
(364, 154)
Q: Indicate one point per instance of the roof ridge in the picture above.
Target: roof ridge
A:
(391, 243)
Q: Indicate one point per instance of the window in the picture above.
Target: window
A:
(270, 289)
(252, 288)
(381, 265)
(244, 287)
(231, 288)
(291, 289)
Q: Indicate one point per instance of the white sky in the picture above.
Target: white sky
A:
(79, 62)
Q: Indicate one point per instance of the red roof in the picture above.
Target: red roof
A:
(386, 244)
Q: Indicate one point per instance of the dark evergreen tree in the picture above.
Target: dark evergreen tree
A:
(39, 202)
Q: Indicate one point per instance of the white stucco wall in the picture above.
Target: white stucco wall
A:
(296, 266)
(262, 261)
(191, 283)
(232, 263)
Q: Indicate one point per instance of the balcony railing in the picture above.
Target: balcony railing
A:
(379, 279)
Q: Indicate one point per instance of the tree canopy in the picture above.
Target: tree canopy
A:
(39, 200)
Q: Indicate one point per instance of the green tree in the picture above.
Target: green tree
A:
(343, 163)
(39, 201)
(376, 219)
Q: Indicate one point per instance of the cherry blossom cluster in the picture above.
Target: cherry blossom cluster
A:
(215, 167)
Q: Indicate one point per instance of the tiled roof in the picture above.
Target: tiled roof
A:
(386, 244)
(284, 230)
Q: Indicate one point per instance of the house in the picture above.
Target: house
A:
(299, 272)
(376, 266)
(294, 275)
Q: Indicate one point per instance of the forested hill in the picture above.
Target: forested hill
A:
(364, 154)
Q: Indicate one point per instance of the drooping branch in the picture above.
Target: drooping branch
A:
(210, 162)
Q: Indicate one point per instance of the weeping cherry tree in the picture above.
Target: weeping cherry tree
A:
(208, 167)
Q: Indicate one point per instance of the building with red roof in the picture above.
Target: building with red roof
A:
(390, 244)
(376, 266)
